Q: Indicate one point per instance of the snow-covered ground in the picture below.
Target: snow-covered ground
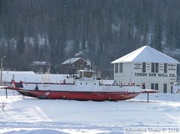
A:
(25, 115)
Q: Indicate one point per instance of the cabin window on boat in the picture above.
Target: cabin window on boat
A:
(116, 67)
(88, 74)
(165, 67)
(144, 67)
(120, 67)
(154, 67)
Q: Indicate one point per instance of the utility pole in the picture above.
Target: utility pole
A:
(1, 72)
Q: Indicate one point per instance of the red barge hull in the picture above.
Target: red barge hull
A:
(70, 95)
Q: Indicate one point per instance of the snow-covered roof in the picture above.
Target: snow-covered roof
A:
(40, 63)
(72, 60)
(146, 54)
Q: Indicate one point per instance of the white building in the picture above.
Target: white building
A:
(149, 67)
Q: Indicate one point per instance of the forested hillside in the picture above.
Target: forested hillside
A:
(54, 30)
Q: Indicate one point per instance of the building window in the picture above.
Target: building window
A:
(171, 89)
(165, 67)
(154, 86)
(154, 67)
(116, 67)
(165, 88)
(144, 67)
(157, 67)
(120, 67)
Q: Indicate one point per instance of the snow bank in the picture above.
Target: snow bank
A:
(34, 116)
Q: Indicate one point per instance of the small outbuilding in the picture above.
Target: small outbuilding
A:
(74, 64)
(40, 66)
(148, 68)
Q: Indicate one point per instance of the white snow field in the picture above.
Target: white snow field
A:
(26, 115)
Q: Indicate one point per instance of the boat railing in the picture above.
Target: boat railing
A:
(115, 84)
(52, 83)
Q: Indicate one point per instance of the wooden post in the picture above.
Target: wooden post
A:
(147, 97)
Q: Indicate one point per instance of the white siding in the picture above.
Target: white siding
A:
(132, 73)
(125, 76)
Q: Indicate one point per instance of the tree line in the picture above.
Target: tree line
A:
(55, 30)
